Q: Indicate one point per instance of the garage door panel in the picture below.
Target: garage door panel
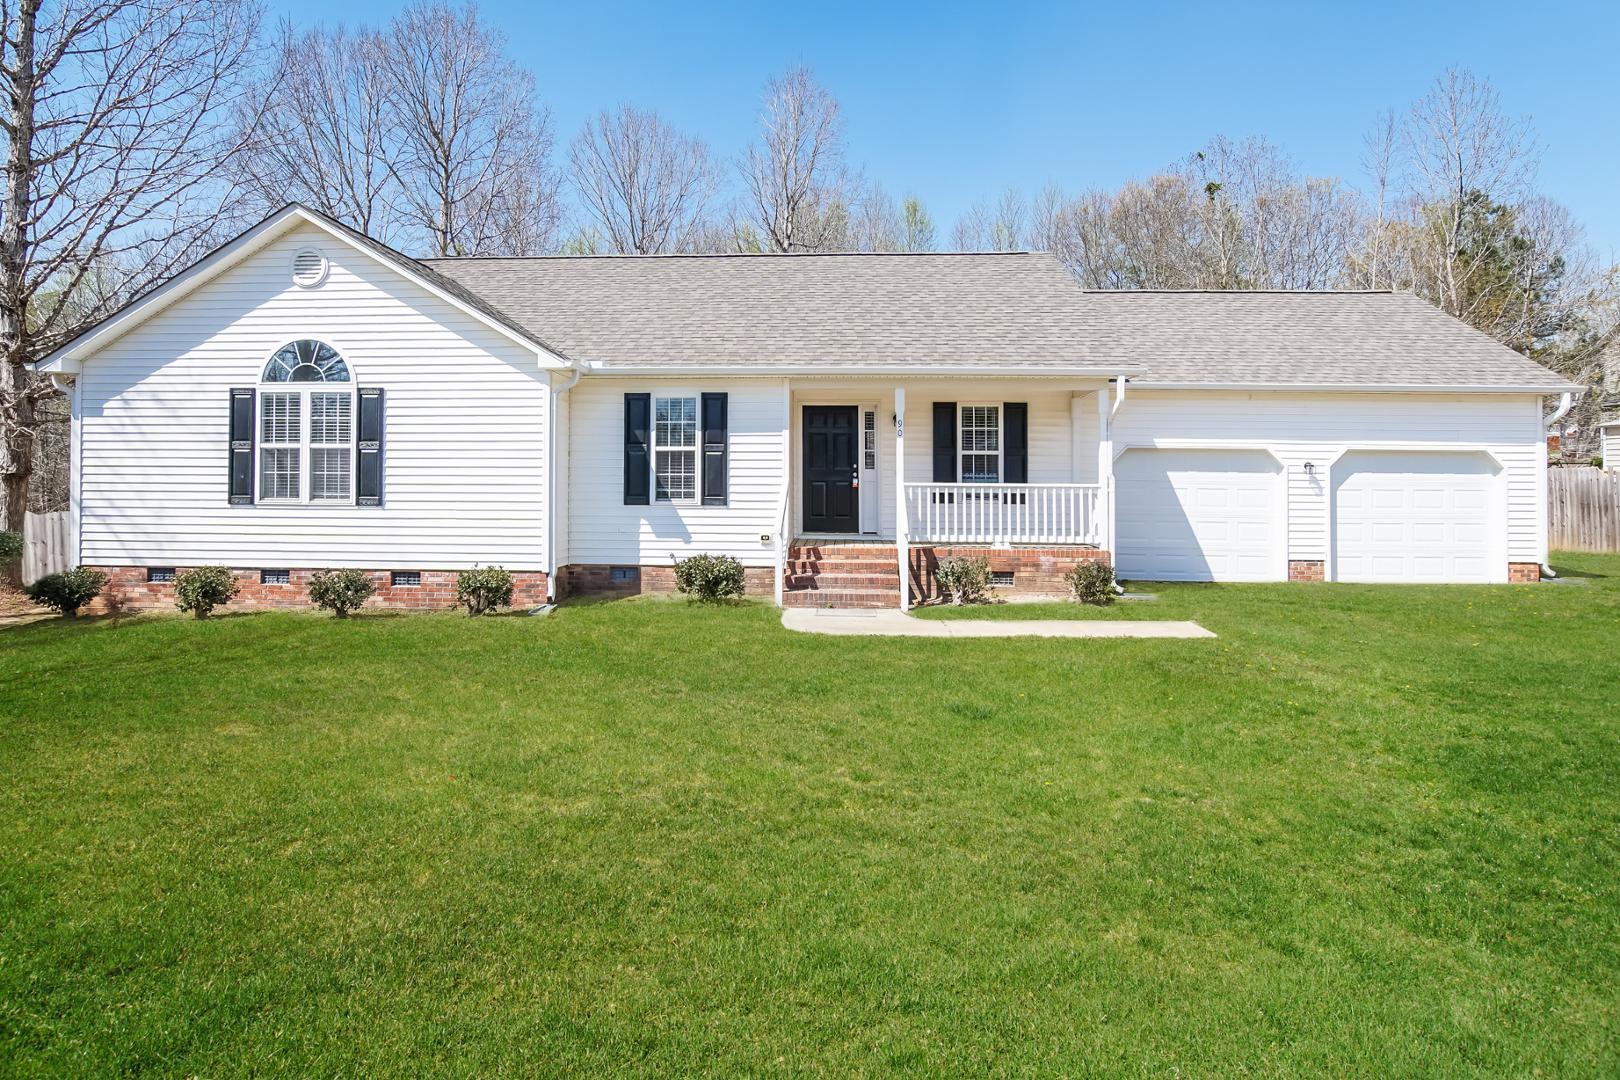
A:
(1198, 515)
(1417, 516)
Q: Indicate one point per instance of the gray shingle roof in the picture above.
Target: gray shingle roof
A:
(855, 311)
(1301, 338)
(993, 310)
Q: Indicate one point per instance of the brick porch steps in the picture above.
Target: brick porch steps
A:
(861, 575)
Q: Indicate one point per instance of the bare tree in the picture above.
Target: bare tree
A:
(322, 116)
(117, 121)
(874, 223)
(1001, 227)
(1375, 261)
(795, 176)
(468, 150)
(646, 184)
(1460, 144)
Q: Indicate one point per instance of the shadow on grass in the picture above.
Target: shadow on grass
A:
(1573, 572)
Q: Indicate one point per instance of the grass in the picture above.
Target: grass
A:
(1366, 831)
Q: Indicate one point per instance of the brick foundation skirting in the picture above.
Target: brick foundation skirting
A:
(1307, 570)
(596, 579)
(1035, 571)
(128, 590)
(1524, 572)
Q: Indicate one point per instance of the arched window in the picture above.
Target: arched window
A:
(306, 361)
(306, 432)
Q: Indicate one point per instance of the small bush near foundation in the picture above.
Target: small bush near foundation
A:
(1091, 581)
(340, 591)
(11, 546)
(709, 578)
(482, 588)
(965, 580)
(69, 590)
(203, 589)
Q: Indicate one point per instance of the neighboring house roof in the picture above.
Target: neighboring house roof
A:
(67, 357)
(1368, 340)
(764, 313)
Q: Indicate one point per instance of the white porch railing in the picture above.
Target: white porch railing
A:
(1004, 513)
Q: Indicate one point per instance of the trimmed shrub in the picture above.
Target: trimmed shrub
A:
(204, 588)
(1091, 581)
(340, 591)
(709, 578)
(68, 591)
(11, 546)
(482, 588)
(965, 580)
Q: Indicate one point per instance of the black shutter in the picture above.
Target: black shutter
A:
(714, 449)
(637, 472)
(1015, 430)
(944, 442)
(368, 466)
(241, 450)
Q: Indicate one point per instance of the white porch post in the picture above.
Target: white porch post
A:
(785, 497)
(1105, 471)
(902, 551)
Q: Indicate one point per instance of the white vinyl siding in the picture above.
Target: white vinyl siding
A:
(602, 530)
(1316, 428)
(464, 438)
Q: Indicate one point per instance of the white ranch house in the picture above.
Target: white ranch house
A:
(306, 398)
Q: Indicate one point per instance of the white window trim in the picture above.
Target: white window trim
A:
(306, 443)
(696, 449)
(1001, 441)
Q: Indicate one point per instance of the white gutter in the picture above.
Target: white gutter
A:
(776, 371)
(552, 484)
(1119, 396)
(1361, 388)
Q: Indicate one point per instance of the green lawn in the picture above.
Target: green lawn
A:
(1366, 831)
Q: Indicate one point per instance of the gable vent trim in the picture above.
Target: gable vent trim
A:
(309, 268)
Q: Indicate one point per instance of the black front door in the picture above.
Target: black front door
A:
(831, 503)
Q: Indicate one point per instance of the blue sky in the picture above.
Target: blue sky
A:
(957, 101)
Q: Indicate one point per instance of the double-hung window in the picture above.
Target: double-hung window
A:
(306, 426)
(980, 442)
(331, 445)
(674, 449)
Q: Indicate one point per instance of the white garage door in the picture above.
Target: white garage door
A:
(1417, 517)
(1199, 515)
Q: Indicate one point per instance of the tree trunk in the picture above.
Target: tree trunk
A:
(16, 402)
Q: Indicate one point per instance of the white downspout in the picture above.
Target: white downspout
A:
(1566, 402)
(553, 482)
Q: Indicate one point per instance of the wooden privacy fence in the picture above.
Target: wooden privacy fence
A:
(1583, 509)
(46, 544)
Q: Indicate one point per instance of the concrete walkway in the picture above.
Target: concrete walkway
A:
(891, 623)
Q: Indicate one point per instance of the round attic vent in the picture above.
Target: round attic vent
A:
(309, 268)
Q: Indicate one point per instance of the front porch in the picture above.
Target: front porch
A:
(886, 481)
